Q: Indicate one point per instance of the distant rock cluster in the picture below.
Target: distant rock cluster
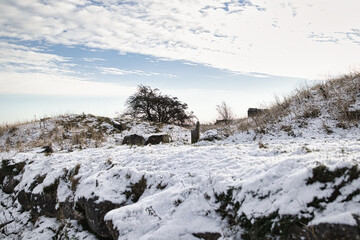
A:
(138, 140)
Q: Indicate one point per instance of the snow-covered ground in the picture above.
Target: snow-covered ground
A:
(270, 175)
(302, 166)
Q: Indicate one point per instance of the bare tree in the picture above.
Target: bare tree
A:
(225, 113)
(149, 104)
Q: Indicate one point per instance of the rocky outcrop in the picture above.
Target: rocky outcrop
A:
(134, 139)
(157, 139)
(88, 212)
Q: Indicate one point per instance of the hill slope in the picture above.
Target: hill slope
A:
(291, 173)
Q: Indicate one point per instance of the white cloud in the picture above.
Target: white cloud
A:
(25, 59)
(53, 84)
(290, 38)
(93, 59)
(27, 70)
(117, 71)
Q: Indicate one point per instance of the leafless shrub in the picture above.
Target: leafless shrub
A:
(225, 113)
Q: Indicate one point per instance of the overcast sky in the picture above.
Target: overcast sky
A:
(88, 56)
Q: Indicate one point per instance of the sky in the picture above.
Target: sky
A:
(87, 56)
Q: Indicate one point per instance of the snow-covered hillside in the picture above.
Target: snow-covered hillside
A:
(293, 175)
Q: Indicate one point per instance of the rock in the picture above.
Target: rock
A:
(195, 134)
(325, 231)
(119, 126)
(66, 211)
(24, 200)
(39, 204)
(252, 112)
(8, 168)
(157, 139)
(8, 173)
(210, 135)
(47, 150)
(9, 184)
(134, 139)
(112, 230)
(95, 213)
(207, 235)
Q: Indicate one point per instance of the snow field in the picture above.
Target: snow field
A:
(269, 179)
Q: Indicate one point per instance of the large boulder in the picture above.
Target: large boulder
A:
(157, 139)
(134, 139)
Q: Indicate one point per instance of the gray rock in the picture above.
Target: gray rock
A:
(157, 139)
(210, 135)
(195, 134)
(253, 112)
(134, 139)
(207, 235)
(119, 126)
